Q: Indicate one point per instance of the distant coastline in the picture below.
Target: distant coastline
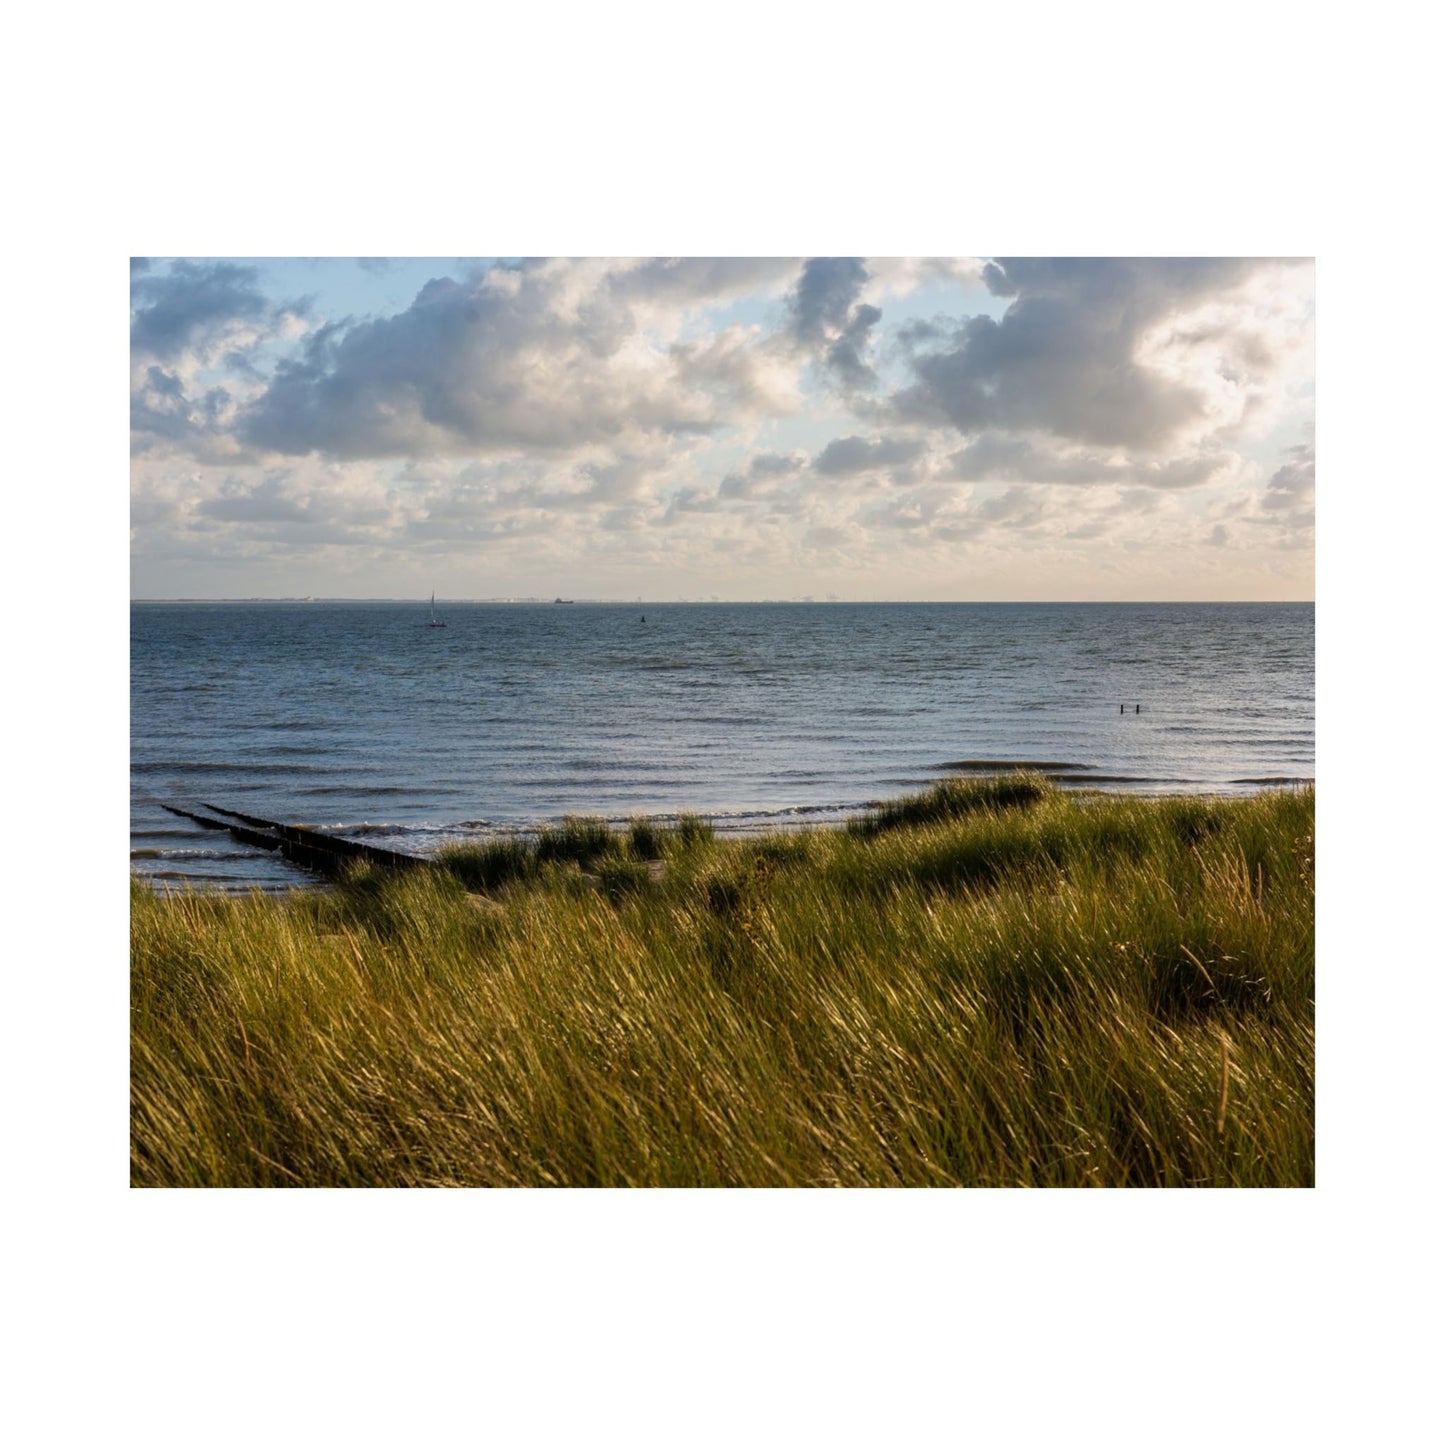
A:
(763, 601)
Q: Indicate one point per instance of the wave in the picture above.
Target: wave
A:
(180, 853)
(180, 766)
(991, 765)
(1270, 782)
(1134, 779)
(373, 790)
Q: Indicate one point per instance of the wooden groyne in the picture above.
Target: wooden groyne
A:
(321, 852)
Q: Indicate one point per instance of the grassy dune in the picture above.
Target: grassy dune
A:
(994, 983)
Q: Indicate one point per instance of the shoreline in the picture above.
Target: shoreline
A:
(1067, 779)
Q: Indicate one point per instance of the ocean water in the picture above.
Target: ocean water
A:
(357, 717)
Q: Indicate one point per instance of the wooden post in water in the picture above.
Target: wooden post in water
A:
(311, 849)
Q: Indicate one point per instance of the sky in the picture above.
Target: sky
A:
(828, 427)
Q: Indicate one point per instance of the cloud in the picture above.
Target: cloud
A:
(1092, 351)
(761, 477)
(191, 322)
(849, 455)
(546, 356)
(284, 501)
(268, 500)
(1291, 489)
(1016, 507)
(745, 375)
(845, 355)
(1000, 457)
(1282, 515)
(701, 280)
(204, 516)
(894, 276)
(824, 296)
(165, 416)
(826, 323)
(690, 500)
(195, 306)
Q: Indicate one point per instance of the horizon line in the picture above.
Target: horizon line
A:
(779, 601)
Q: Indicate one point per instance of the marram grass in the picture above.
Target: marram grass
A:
(995, 986)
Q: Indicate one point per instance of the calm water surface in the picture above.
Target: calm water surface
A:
(356, 716)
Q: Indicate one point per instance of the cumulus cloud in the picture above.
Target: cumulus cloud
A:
(890, 277)
(701, 280)
(827, 320)
(1281, 516)
(744, 374)
(549, 356)
(198, 307)
(690, 499)
(762, 476)
(824, 297)
(1079, 353)
(849, 455)
(1000, 457)
(189, 318)
(167, 416)
(281, 498)
(1291, 489)
(939, 518)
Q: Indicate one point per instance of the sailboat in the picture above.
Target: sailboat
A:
(434, 622)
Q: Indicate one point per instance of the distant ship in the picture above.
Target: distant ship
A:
(434, 622)
(566, 600)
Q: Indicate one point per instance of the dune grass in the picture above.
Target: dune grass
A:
(1001, 984)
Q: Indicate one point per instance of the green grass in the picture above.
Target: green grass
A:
(955, 798)
(995, 986)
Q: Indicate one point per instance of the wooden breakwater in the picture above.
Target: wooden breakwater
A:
(308, 847)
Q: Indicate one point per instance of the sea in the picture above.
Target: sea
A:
(359, 718)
